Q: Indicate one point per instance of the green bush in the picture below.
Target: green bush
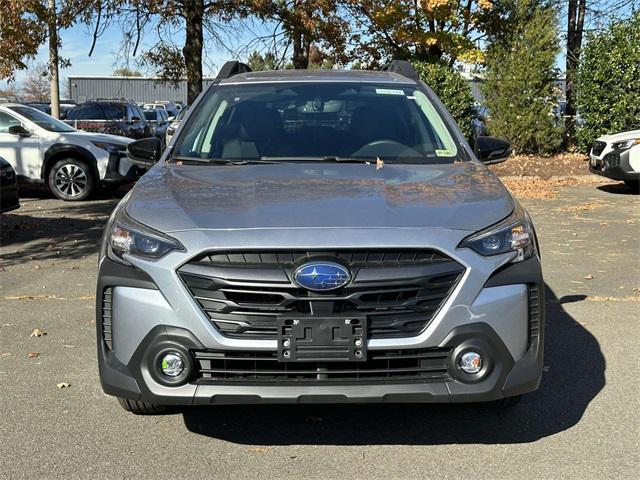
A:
(453, 90)
(608, 83)
(520, 87)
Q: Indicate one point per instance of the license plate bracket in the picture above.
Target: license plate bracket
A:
(322, 339)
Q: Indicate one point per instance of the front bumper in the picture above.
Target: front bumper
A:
(120, 170)
(497, 318)
(614, 165)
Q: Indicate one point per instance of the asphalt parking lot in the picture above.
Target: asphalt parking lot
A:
(582, 422)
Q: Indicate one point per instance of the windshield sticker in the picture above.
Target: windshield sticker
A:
(444, 153)
(388, 91)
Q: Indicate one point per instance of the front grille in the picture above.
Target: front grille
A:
(353, 258)
(106, 317)
(534, 314)
(418, 365)
(243, 293)
(598, 147)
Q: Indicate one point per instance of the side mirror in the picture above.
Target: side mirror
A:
(135, 119)
(491, 150)
(19, 130)
(145, 152)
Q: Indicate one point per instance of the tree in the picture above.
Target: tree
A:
(10, 92)
(575, 27)
(305, 25)
(126, 72)
(36, 87)
(425, 30)
(608, 82)
(520, 85)
(167, 60)
(452, 89)
(258, 61)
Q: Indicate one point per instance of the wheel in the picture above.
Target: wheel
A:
(72, 180)
(634, 185)
(141, 408)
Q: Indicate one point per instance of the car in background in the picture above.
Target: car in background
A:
(43, 149)
(173, 126)
(159, 123)
(479, 121)
(114, 117)
(65, 106)
(8, 187)
(170, 107)
(617, 157)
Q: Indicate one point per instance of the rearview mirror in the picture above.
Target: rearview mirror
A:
(491, 150)
(145, 152)
(19, 130)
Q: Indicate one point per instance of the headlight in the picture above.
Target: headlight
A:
(127, 236)
(625, 144)
(513, 234)
(111, 147)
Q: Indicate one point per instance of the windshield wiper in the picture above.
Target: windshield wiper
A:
(220, 161)
(328, 158)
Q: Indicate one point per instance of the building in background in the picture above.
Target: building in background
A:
(138, 89)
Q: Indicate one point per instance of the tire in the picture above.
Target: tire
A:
(72, 180)
(634, 185)
(142, 408)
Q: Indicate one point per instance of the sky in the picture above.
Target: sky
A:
(108, 53)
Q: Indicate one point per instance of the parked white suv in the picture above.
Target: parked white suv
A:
(617, 157)
(72, 163)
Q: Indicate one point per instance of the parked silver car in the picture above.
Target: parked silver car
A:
(319, 236)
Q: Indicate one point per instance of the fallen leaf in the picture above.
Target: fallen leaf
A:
(7, 325)
(38, 332)
(63, 385)
(588, 277)
(379, 163)
(259, 450)
(33, 354)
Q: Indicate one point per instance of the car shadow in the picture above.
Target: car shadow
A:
(574, 375)
(56, 231)
(617, 189)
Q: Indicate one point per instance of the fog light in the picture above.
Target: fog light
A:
(470, 362)
(172, 364)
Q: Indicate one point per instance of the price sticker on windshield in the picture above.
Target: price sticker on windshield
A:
(388, 91)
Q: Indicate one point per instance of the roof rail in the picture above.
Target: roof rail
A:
(229, 69)
(402, 67)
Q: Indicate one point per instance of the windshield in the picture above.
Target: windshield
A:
(297, 121)
(42, 120)
(150, 115)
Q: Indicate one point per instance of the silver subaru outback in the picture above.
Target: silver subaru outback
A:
(319, 236)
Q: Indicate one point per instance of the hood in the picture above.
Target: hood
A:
(619, 137)
(97, 137)
(464, 196)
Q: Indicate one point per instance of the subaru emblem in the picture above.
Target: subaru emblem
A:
(321, 276)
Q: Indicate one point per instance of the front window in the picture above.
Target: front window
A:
(298, 121)
(42, 120)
